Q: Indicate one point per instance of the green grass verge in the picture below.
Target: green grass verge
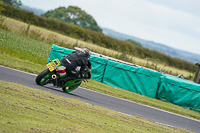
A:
(13, 54)
(25, 109)
(20, 64)
(23, 47)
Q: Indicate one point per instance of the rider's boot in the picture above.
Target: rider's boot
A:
(64, 80)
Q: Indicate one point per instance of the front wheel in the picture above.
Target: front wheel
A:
(71, 88)
(43, 78)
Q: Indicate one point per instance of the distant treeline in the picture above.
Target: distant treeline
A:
(94, 37)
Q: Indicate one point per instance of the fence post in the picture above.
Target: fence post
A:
(197, 76)
(28, 28)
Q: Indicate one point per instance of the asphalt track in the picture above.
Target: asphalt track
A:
(110, 102)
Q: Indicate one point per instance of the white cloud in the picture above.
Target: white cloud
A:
(44, 4)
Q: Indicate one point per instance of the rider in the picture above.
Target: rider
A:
(75, 62)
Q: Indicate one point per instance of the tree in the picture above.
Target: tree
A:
(13, 2)
(74, 15)
(1, 9)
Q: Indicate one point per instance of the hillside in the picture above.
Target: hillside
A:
(188, 56)
(34, 10)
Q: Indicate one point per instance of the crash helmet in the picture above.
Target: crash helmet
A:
(86, 52)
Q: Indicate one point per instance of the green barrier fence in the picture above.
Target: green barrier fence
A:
(58, 52)
(134, 79)
(180, 92)
(139, 80)
(98, 67)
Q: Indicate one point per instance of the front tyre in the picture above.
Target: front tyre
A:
(43, 78)
(71, 88)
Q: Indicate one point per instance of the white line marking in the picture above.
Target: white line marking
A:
(154, 121)
(144, 105)
(167, 125)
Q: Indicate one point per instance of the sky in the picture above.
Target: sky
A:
(175, 23)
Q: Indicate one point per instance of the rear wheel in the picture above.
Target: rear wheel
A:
(43, 78)
(71, 88)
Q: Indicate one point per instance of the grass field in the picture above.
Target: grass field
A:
(24, 109)
(51, 37)
(13, 53)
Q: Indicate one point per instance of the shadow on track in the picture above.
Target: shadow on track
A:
(76, 96)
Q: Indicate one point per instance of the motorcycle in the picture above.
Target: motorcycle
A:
(55, 71)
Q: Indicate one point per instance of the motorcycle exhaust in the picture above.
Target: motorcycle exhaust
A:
(55, 82)
(54, 76)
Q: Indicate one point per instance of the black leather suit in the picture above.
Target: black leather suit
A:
(72, 61)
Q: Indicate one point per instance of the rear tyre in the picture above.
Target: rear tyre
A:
(71, 88)
(43, 77)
